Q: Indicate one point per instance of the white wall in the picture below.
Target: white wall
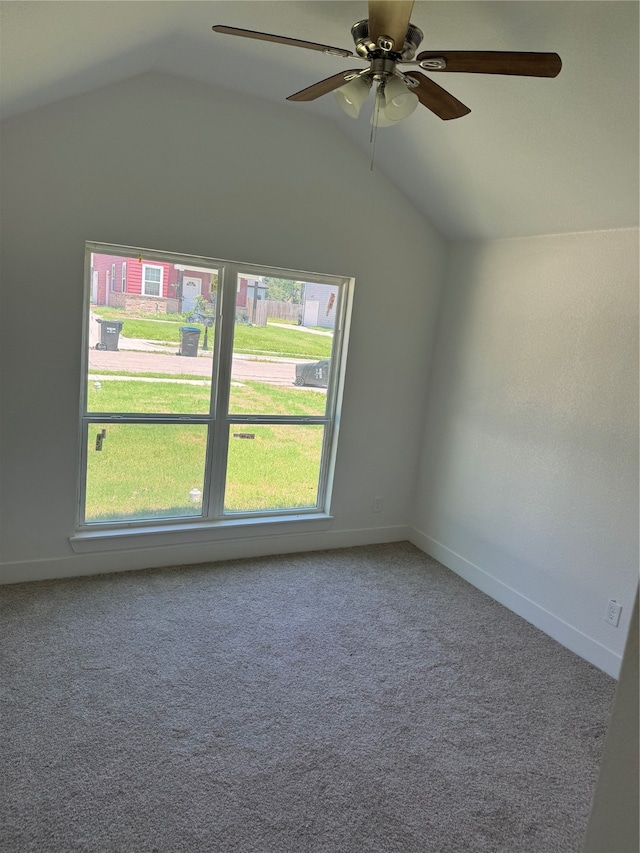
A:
(613, 822)
(159, 162)
(528, 484)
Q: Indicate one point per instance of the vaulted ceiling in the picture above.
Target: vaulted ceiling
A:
(534, 156)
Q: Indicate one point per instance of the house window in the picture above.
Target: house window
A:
(152, 280)
(113, 276)
(225, 418)
(124, 276)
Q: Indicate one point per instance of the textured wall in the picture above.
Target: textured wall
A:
(529, 474)
(199, 171)
(613, 824)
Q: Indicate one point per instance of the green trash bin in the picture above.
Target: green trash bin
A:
(109, 334)
(189, 337)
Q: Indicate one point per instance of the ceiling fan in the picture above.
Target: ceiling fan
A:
(387, 40)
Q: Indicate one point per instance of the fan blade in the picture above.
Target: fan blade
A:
(324, 86)
(389, 18)
(496, 62)
(253, 34)
(437, 99)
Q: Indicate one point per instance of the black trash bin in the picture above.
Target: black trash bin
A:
(109, 334)
(316, 373)
(189, 337)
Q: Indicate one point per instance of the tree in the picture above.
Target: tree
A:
(284, 290)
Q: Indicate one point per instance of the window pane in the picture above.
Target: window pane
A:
(152, 327)
(144, 471)
(273, 467)
(146, 354)
(282, 346)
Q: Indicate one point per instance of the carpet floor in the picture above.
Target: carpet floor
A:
(364, 699)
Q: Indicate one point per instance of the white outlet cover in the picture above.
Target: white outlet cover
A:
(612, 615)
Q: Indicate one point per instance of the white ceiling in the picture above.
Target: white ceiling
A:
(535, 156)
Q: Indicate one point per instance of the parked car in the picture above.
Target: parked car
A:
(316, 373)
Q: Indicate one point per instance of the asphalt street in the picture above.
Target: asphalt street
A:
(139, 356)
(274, 372)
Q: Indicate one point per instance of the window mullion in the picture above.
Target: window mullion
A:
(220, 430)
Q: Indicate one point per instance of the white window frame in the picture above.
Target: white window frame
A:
(160, 284)
(214, 522)
(124, 276)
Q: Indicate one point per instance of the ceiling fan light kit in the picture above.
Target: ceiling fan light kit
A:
(352, 96)
(387, 39)
(399, 100)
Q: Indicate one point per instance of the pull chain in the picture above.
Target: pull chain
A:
(374, 127)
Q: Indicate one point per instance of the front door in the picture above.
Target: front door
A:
(191, 287)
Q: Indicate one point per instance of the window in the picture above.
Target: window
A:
(151, 280)
(231, 415)
(124, 276)
(113, 277)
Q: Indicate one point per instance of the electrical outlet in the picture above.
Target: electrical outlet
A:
(377, 505)
(612, 616)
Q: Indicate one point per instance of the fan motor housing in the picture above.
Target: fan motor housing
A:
(365, 47)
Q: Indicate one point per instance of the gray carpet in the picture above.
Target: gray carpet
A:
(364, 699)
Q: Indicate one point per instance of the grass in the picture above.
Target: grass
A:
(149, 374)
(278, 468)
(159, 398)
(257, 398)
(249, 340)
(147, 470)
(144, 470)
(107, 313)
(164, 398)
(286, 343)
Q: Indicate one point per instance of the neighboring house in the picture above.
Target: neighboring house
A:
(319, 305)
(246, 291)
(149, 287)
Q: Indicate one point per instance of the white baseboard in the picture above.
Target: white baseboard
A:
(78, 565)
(561, 631)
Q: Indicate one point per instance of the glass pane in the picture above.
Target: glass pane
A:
(282, 346)
(151, 354)
(144, 471)
(273, 466)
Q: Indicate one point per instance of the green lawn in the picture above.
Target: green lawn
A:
(286, 343)
(249, 340)
(174, 398)
(108, 313)
(148, 470)
(140, 397)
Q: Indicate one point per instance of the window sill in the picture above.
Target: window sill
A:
(158, 536)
